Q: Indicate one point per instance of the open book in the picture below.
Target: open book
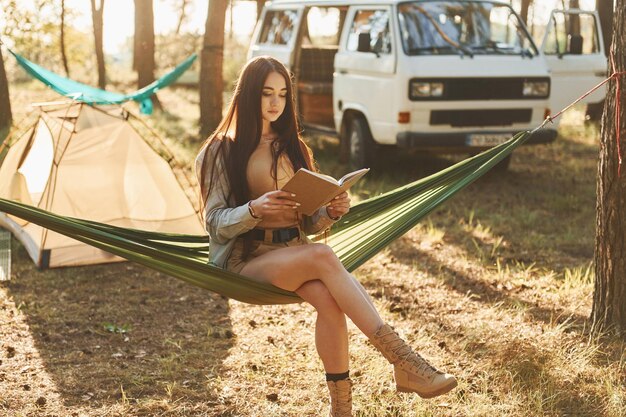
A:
(314, 190)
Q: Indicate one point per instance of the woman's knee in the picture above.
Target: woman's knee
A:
(318, 295)
(322, 255)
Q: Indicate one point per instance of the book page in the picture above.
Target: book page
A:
(322, 176)
(358, 173)
(350, 179)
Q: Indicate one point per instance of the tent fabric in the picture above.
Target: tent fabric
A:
(91, 95)
(94, 166)
(368, 227)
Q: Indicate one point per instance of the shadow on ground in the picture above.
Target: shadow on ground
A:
(122, 333)
(486, 356)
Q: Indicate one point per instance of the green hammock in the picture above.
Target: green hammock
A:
(81, 92)
(368, 227)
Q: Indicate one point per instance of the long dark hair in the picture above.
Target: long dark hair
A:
(239, 132)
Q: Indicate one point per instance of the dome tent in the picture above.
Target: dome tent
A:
(90, 162)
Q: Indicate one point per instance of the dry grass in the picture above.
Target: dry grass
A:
(494, 287)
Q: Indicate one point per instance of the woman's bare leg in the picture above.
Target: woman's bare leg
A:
(363, 291)
(289, 268)
(331, 330)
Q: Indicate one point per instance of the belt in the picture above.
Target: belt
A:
(274, 235)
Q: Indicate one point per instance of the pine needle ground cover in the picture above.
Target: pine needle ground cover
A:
(495, 286)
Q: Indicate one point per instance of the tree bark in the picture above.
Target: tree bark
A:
(98, 24)
(605, 10)
(259, 8)
(524, 10)
(211, 59)
(144, 45)
(62, 40)
(609, 300)
(574, 23)
(5, 103)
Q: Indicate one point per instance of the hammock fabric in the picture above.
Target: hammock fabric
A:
(91, 95)
(368, 227)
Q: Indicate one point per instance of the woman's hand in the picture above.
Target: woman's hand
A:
(338, 206)
(273, 202)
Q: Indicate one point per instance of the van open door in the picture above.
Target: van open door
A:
(364, 81)
(574, 51)
(276, 32)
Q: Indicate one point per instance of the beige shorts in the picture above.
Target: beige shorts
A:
(236, 263)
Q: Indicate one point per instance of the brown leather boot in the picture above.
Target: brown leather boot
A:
(411, 371)
(340, 398)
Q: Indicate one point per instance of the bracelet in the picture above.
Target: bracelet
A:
(251, 210)
(331, 217)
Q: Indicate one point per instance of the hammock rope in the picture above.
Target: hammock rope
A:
(368, 227)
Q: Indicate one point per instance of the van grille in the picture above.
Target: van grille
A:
(480, 88)
(487, 117)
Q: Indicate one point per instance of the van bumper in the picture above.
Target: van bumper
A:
(461, 141)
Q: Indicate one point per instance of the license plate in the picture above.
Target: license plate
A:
(487, 139)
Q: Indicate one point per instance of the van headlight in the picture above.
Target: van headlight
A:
(536, 88)
(425, 89)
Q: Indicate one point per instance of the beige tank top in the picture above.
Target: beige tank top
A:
(260, 181)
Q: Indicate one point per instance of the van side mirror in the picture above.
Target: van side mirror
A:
(575, 44)
(365, 42)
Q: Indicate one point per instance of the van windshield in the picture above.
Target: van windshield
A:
(462, 28)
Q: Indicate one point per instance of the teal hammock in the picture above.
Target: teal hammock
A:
(369, 226)
(91, 95)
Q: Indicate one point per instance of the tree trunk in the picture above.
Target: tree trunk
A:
(144, 45)
(211, 58)
(98, 24)
(5, 103)
(605, 10)
(259, 8)
(609, 299)
(231, 4)
(62, 40)
(574, 23)
(183, 15)
(524, 10)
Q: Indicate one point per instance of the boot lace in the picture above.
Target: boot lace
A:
(406, 354)
(419, 363)
(341, 404)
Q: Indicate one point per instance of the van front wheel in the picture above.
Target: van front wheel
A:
(362, 146)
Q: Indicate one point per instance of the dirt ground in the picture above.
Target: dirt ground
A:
(495, 287)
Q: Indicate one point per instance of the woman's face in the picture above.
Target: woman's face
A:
(274, 97)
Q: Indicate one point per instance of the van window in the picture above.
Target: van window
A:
(459, 28)
(574, 34)
(376, 22)
(324, 26)
(278, 27)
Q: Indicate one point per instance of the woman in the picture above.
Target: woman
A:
(255, 230)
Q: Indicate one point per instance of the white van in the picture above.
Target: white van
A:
(436, 75)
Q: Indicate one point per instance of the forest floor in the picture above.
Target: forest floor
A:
(495, 287)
